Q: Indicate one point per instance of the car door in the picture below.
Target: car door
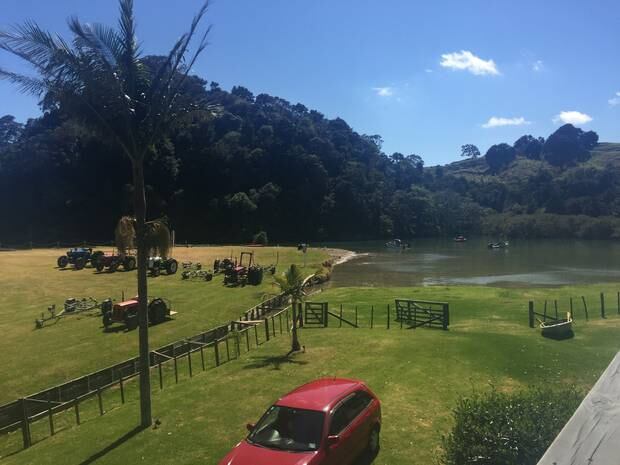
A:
(347, 423)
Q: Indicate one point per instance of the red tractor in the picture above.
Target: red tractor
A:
(112, 262)
(159, 310)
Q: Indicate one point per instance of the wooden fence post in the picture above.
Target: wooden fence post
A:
(545, 312)
(618, 303)
(340, 325)
(120, 381)
(247, 338)
(25, 425)
(217, 353)
(273, 326)
(267, 328)
(50, 414)
(531, 313)
(100, 401)
(202, 358)
(571, 307)
(161, 376)
(227, 349)
(76, 404)
(372, 316)
(585, 307)
(446, 316)
(555, 305)
(189, 362)
(176, 371)
(602, 305)
(256, 334)
(280, 321)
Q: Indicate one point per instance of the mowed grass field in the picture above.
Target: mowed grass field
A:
(418, 374)
(34, 359)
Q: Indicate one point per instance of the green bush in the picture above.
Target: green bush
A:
(507, 429)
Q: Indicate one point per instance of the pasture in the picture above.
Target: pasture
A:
(419, 374)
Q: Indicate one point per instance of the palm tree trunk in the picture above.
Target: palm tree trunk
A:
(295, 343)
(145, 374)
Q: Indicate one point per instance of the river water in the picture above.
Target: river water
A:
(524, 263)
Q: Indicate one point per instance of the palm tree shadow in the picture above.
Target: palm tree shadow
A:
(274, 361)
(109, 448)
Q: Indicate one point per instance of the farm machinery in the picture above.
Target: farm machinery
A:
(79, 257)
(73, 307)
(156, 265)
(240, 273)
(126, 313)
(194, 271)
(113, 261)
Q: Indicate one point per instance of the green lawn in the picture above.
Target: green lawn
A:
(418, 374)
(34, 359)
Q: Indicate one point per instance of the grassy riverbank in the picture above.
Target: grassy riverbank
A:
(418, 374)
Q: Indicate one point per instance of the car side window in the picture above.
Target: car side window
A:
(346, 412)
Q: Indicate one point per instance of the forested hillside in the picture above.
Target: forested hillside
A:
(264, 164)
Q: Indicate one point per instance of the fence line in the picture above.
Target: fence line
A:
(545, 316)
(22, 413)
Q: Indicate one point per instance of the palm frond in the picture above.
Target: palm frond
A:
(26, 84)
(104, 41)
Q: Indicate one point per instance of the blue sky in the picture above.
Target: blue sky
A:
(426, 76)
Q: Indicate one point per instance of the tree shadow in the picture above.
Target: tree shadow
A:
(109, 448)
(275, 361)
(365, 459)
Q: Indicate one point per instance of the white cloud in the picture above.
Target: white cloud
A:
(383, 91)
(615, 100)
(465, 60)
(496, 121)
(428, 70)
(538, 65)
(572, 117)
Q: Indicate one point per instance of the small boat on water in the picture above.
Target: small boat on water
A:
(460, 238)
(397, 244)
(498, 245)
(561, 328)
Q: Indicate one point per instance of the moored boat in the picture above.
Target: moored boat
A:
(460, 238)
(498, 245)
(397, 244)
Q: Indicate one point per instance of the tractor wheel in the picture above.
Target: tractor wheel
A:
(80, 263)
(172, 266)
(113, 267)
(107, 319)
(155, 271)
(62, 261)
(129, 263)
(158, 310)
(95, 257)
(131, 321)
(99, 266)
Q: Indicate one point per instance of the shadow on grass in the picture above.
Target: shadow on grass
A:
(109, 448)
(275, 361)
(365, 459)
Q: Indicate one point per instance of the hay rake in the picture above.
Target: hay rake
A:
(72, 307)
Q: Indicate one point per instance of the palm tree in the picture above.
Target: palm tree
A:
(102, 79)
(291, 283)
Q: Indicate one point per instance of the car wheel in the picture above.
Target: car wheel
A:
(62, 261)
(374, 442)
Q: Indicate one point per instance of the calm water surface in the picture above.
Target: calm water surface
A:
(445, 262)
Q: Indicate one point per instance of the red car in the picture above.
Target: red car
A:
(325, 422)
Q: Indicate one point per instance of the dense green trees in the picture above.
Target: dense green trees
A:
(269, 165)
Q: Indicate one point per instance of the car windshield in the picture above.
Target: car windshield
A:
(289, 429)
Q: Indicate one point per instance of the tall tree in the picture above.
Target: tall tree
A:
(100, 78)
(470, 151)
(499, 156)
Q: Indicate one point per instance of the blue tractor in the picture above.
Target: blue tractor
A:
(79, 257)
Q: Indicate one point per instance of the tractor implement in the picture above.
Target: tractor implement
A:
(72, 307)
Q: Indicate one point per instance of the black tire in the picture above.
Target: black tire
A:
(129, 263)
(172, 266)
(374, 442)
(80, 263)
(113, 267)
(99, 266)
(95, 257)
(131, 321)
(62, 262)
(155, 271)
(158, 310)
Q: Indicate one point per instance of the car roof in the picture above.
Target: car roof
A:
(321, 394)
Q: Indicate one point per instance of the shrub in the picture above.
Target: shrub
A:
(507, 429)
